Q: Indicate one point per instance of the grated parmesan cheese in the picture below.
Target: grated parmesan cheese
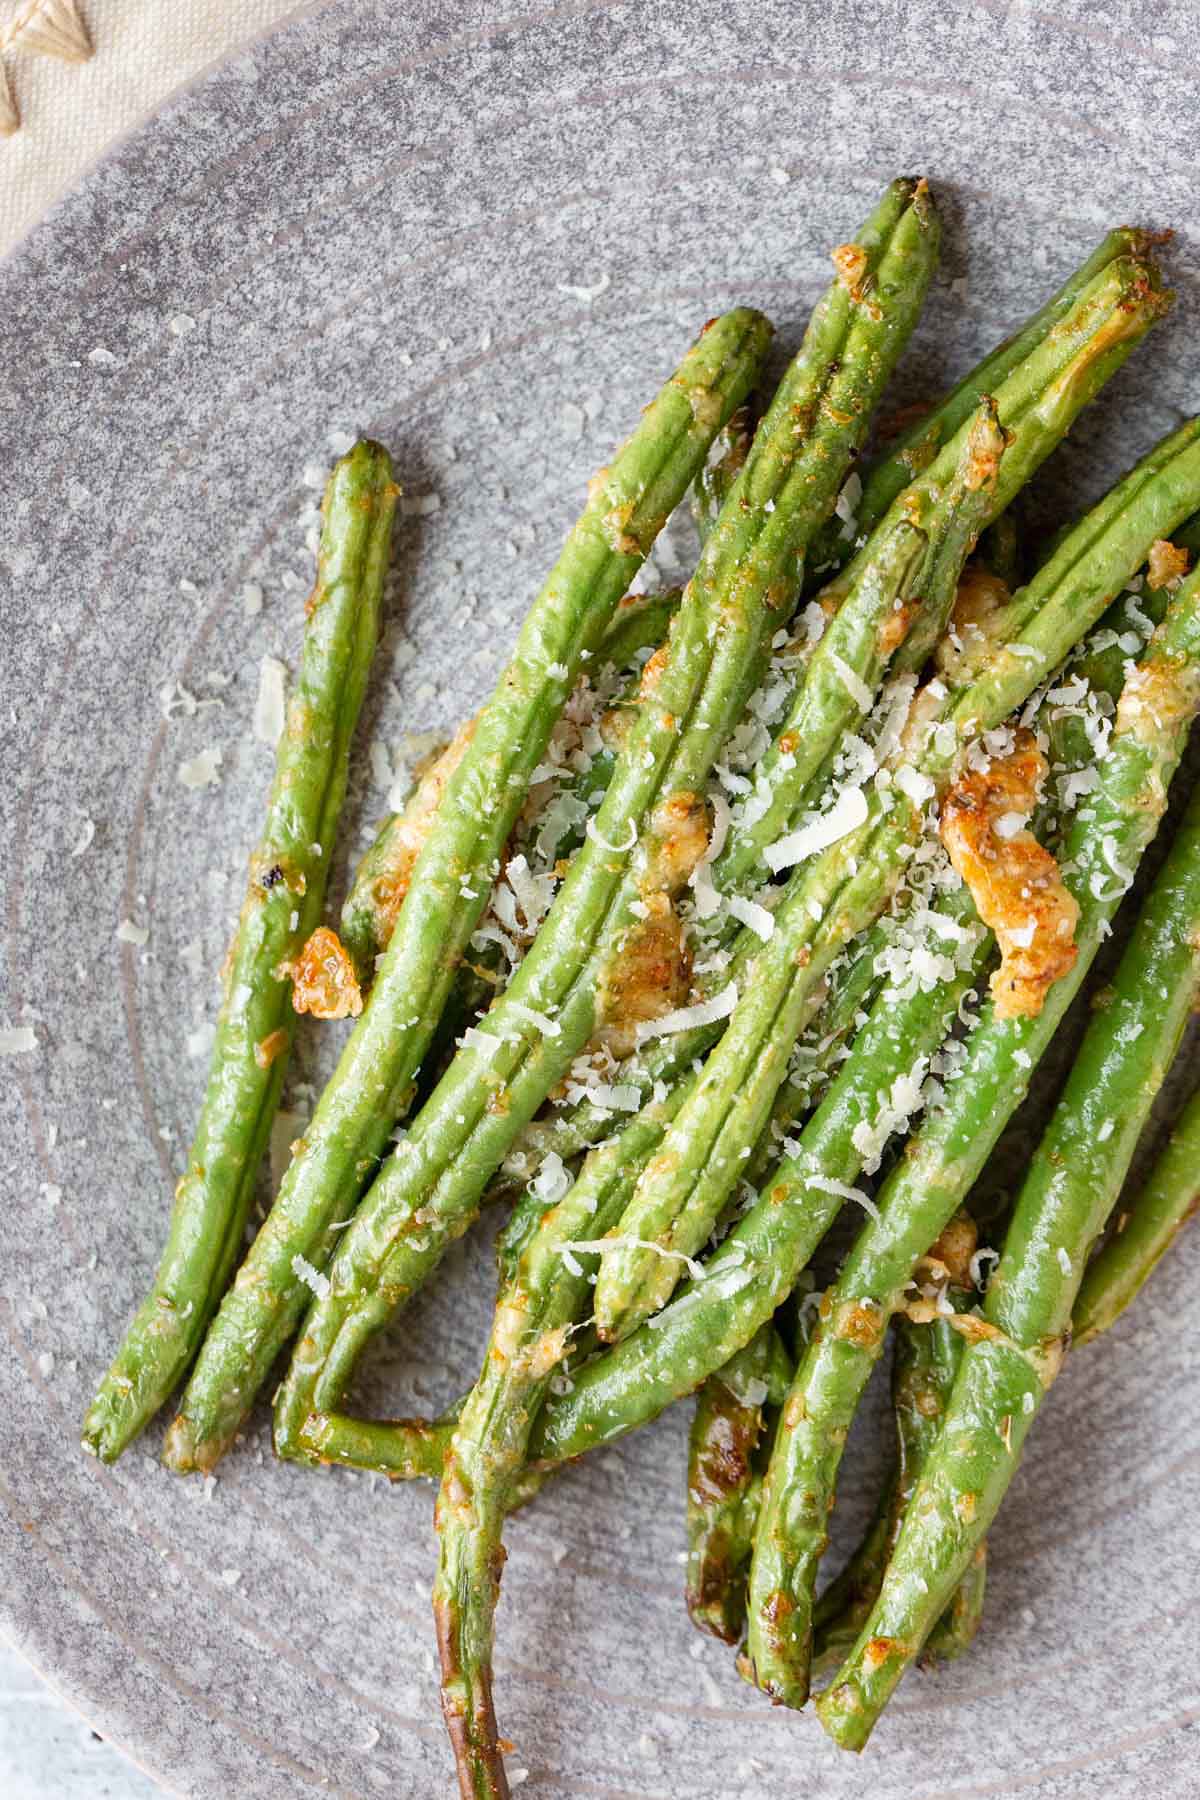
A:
(312, 1278)
(896, 1109)
(853, 683)
(733, 783)
(825, 1184)
(845, 504)
(203, 770)
(847, 813)
(551, 1181)
(706, 898)
(751, 914)
(620, 1096)
(814, 621)
(269, 706)
(1108, 848)
(600, 1246)
(1009, 824)
(895, 704)
(683, 1018)
(976, 1265)
(700, 881)
(534, 893)
(916, 786)
(531, 1016)
(720, 1283)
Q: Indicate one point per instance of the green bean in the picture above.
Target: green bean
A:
(282, 906)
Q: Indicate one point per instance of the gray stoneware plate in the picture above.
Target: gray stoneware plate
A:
(484, 239)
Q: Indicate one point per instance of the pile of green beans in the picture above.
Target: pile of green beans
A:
(754, 819)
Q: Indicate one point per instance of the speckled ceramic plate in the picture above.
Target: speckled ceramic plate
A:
(483, 234)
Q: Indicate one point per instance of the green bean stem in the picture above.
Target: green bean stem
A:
(282, 906)
(722, 1484)
(726, 459)
(530, 1338)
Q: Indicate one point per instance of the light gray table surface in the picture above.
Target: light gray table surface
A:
(49, 1751)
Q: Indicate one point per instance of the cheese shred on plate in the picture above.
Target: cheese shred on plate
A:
(269, 705)
(682, 1018)
(751, 914)
(598, 1247)
(847, 813)
(826, 1185)
(312, 1278)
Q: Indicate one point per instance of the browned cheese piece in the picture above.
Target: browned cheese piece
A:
(1016, 885)
(1166, 566)
(323, 978)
